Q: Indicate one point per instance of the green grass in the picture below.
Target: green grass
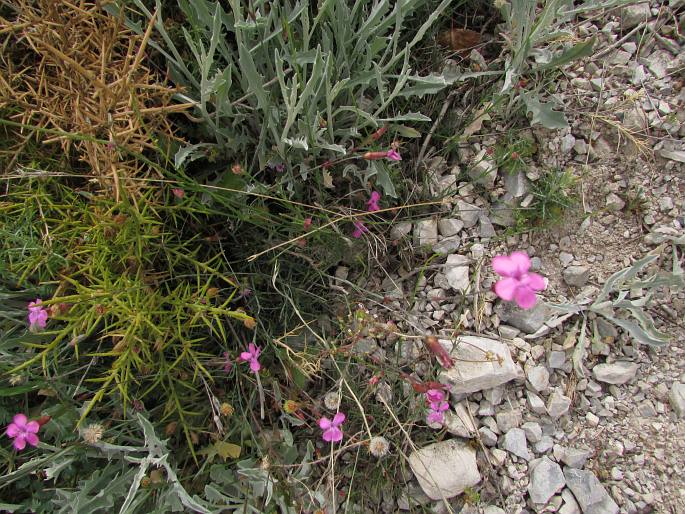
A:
(553, 196)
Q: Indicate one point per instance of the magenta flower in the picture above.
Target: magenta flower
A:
(441, 406)
(517, 284)
(331, 432)
(435, 417)
(393, 155)
(359, 229)
(252, 356)
(23, 431)
(373, 202)
(38, 316)
(178, 192)
(435, 395)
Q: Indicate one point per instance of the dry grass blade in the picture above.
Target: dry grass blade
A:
(73, 67)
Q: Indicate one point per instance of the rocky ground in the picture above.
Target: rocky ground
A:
(531, 433)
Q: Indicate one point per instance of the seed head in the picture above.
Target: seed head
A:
(379, 447)
(331, 401)
(92, 433)
(226, 409)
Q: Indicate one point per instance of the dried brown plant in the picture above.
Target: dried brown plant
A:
(75, 70)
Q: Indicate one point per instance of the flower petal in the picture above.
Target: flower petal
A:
(525, 297)
(338, 418)
(325, 423)
(245, 356)
(333, 434)
(254, 365)
(393, 155)
(32, 426)
(521, 261)
(12, 430)
(536, 282)
(20, 420)
(503, 266)
(435, 395)
(435, 417)
(506, 288)
(32, 439)
(20, 443)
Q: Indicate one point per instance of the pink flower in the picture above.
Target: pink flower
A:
(307, 223)
(38, 316)
(23, 431)
(373, 202)
(178, 192)
(252, 356)
(435, 395)
(359, 229)
(331, 432)
(439, 406)
(518, 284)
(435, 418)
(393, 155)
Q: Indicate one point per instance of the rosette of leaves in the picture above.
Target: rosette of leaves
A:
(615, 305)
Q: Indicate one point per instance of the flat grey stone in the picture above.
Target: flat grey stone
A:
(401, 229)
(565, 258)
(576, 276)
(447, 245)
(677, 399)
(558, 405)
(570, 505)
(589, 492)
(488, 437)
(544, 445)
(498, 456)
(456, 269)
(502, 214)
(575, 457)
(535, 403)
(529, 320)
(486, 228)
(634, 119)
(468, 213)
(472, 371)
(614, 202)
(459, 423)
(533, 431)
(546, 480)
(633, 15)
(646, 409)
(508, 419)
(619, 372)
(450, 227)
(514, 441)
(516, 184)
(445, 469)
(426, 232)
(556, 359)
(538, 378)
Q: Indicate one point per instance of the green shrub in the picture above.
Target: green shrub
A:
(294, 83)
